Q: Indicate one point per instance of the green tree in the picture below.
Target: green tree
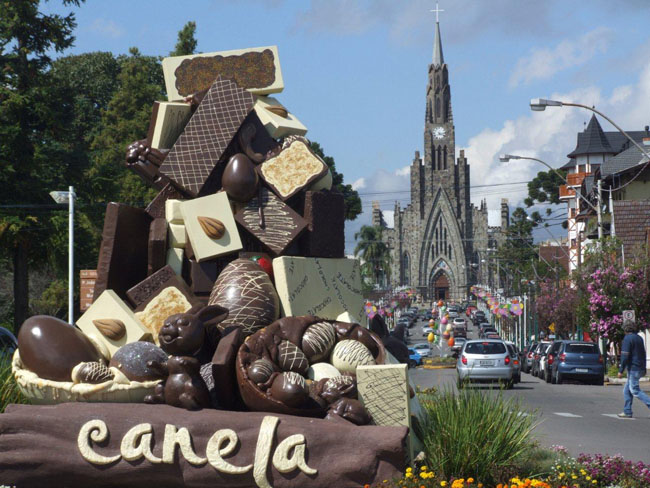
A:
(140, 83)
(374, 252)
(186, 41)
(30, 120)
(351, 196)
(545, 188)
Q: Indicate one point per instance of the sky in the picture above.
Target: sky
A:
(355, 73)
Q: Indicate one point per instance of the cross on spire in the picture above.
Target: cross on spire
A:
(437, 10)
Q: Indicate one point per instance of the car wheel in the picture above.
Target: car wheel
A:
(600, 381)
(412, 363)
(547, 377)
(518, 378)
(553, 378)
(558, 378)
(510, 385)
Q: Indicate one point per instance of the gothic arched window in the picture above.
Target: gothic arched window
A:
(445, 157)
(437, 108)
(440, 162)
(406, 269)
(449, 251)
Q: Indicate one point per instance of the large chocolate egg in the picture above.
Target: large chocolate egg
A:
(240, 179)
(318, 340)
(348, 354)
(131, 359)
(290, 388)
(247, 292)
(291, 358)
(318, 371)
(51, 348)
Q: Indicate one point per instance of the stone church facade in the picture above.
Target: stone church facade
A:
(440, 239)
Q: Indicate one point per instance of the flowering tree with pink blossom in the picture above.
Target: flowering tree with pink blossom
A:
(556, 304)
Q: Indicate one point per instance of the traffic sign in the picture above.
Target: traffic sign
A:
(629, 315)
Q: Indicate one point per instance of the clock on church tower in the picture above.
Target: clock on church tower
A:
(439, 132)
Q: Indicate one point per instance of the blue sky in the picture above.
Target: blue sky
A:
(355, 73)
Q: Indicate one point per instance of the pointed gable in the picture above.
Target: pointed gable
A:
(592, 141)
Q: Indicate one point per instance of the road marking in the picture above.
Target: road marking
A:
(566, 414)
(614, 416)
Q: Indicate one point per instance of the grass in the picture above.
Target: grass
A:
(9, 392)
(476, 434)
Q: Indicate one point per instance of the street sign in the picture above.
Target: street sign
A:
(629, 315)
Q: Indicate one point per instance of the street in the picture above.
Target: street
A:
(580, 417)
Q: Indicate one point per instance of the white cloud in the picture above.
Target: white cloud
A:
(389, 217)
(359, 184)
(544, 63)
(405, 171)
(108, 28)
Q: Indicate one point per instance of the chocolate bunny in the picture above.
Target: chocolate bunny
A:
(183, 386)
(186, 334)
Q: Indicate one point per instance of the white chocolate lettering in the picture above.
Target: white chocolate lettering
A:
(215, 451)
(263, 451)
(136, 443)
(180, 437)
(97, 431)
(285, 464)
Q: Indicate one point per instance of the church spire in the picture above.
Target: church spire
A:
(438, 58)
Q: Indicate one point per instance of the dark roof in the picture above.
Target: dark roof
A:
(592, 140)
(570, 164)
(632, 221)
(627, 159)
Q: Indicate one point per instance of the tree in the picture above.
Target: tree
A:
(140, 83)
(186, 41)
(374, 252)
(350, 196)
(545, 188)
(30, 117)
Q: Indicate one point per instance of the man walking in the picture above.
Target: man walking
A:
(633, 359)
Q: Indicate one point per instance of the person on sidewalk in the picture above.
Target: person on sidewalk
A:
(633, 359)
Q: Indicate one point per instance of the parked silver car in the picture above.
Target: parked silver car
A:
(516, 361)
(485, 360)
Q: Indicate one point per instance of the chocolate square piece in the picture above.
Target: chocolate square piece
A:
(201, 276)
(318, 286)
(210, 226)
(223, 367)
(325, 216)
(112, 322)
(271, 221)
(157, 249)
(145, 291)
(168, 119)
(156, 208)
(256, 69)
(294, 168)
(123, 252)
(202, 145)
(277, 120)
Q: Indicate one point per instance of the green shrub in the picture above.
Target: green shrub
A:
(475, 434)
(612, 371)
(9, 392)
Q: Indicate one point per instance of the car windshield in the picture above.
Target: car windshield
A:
(582, 348)
(485, 348)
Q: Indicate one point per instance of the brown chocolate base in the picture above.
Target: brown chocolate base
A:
(325, 216)
(38, 447)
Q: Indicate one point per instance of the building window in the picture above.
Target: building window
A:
(445, 155)
(437, 108)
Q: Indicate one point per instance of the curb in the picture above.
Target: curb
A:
(622, 381)
(426, 366)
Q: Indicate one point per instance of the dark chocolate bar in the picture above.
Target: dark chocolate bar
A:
(123, 252)
(146, 290)
(157, 245)
(325, 216)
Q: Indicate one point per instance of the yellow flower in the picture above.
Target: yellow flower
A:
(409, 469)
(561, 475)
(573, 476)
(588, 478)
(423, 468)
(480, 485)
(594, 481)
(443, 483)
(470, 480)
(409, 474)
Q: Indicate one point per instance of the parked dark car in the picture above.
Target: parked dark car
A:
(516, 361)
(537, 356)
(551, 357)
(8, 344)
(528, 357)
(578, 360)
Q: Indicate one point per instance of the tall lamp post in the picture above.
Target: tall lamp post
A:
(63, 197)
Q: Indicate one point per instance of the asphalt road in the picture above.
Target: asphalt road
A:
(580, 417)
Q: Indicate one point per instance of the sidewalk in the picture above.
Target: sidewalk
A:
(621, 381)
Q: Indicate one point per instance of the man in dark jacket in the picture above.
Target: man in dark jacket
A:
(393, 345)
(634, 360)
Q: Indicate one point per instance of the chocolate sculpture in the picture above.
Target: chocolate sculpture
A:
(240, 179)
(183, 386)
(184, 334)
(133, 360)
(247, 292)
(51, 348)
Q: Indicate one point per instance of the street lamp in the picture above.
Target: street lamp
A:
(63, 197)
(540, 104)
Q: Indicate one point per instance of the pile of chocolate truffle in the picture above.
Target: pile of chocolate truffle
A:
(230, 289)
